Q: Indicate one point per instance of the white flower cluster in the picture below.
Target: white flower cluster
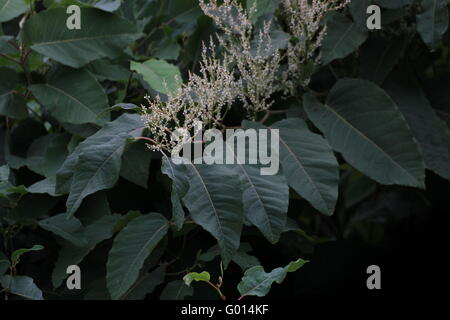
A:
(205, 97)
(256, 59)
(248, 69)
(304, 22)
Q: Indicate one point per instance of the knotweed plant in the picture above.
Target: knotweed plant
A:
(247, 69)
(304, 20)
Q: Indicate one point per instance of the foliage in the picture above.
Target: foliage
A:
(363, 121)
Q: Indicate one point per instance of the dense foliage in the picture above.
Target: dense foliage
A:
(362, 115)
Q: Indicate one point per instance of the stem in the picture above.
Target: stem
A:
(222, 297)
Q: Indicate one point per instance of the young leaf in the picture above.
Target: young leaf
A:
(195, 276)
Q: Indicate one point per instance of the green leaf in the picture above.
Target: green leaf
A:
(176, 290)
(195, 276)
(378, 57)
(73, 96)
(214, 200)
(342, 38)
(95, 163)
(136, 163)
(15, 256)
(361, 121)
(69, 228)
(46, 154)
(432, 23)
(99, 230)
(146, 284)
(130, 248)
(157, 72)
(10, 9)
(265, 197)
(431, 133)
(179, 188)
(309, 164)
(11, 104)
(102, 34)
(22, 286)
(256, 282)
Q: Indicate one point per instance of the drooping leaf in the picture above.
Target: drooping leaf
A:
(4, 263)
(361, 121)
(95, 163)
(130, 248)
(22, 286)
(159, 74)
(214, 200)
(257, 282)
(73, 96)
(47, 33)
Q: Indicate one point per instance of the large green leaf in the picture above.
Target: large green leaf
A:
(432, 23)
(214, 200)
(22, 286)
(159, 74)
(69, 229)
(97, 231)
(73, 96)
(257, 282)
(309, 164)
(9, 9)
(265, 197)
(362, 122)
(102, 34)
(130, 248)
(431, 133)
(95, 163)
(342, 38)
